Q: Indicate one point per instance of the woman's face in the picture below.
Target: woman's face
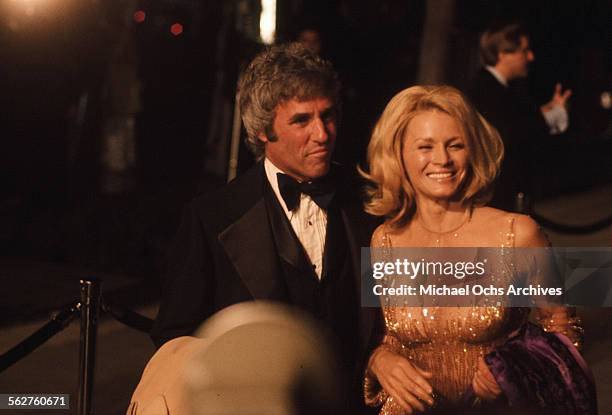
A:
(435, 155)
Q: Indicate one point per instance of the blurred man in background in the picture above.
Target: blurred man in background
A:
(506, 53)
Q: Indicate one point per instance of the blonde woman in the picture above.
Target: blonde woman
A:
(432, 162)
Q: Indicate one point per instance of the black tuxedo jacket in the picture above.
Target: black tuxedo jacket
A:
(226, 251)
(522, 128)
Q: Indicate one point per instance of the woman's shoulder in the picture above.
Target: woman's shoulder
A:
(377, 236)
(524, 230)
(382, 235)
(528, 233)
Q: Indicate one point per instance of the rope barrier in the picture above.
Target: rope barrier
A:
(89, 307)
(522, 205)
(128, 317)
(61, 319)
(58, 322)
(572, 229)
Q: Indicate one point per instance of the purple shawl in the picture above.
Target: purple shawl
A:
(543, 372)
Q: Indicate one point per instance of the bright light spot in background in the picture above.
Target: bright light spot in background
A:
(139, 16)
(32, 8)
(176, 29)
(267, 21)
(30, 2)
(28, 7)
(32, 15)
(606, 100)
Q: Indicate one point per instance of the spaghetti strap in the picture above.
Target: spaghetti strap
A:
(509, 237)
(386, 245)
(386, 239)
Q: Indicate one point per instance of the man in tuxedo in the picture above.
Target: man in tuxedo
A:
(524, 127)
(289, 229)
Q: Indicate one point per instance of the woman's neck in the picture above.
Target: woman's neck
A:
(442, 216)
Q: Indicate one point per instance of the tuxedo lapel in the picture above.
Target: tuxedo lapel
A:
(353, 245)
(249, 244)
(366, 320)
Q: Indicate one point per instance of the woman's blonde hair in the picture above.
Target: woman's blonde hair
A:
(390, 193)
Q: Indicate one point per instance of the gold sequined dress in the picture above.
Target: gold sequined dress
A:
(448, 342)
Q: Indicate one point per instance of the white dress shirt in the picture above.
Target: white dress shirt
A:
(308, 220)
(500, 78)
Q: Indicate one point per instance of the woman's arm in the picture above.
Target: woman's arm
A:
(389, 373)
(552, 317)
(397, 376)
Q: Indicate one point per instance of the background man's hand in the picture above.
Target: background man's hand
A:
(559, 98)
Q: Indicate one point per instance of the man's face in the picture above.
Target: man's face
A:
(305, 135)
(516, 63)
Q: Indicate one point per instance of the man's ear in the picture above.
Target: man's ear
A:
(267, 136)
(263, 137)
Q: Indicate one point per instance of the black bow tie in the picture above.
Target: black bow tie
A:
(320, 190)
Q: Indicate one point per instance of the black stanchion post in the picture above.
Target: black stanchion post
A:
(90, 306)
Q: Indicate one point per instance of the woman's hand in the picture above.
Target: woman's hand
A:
(405, 382)
(484, 384)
